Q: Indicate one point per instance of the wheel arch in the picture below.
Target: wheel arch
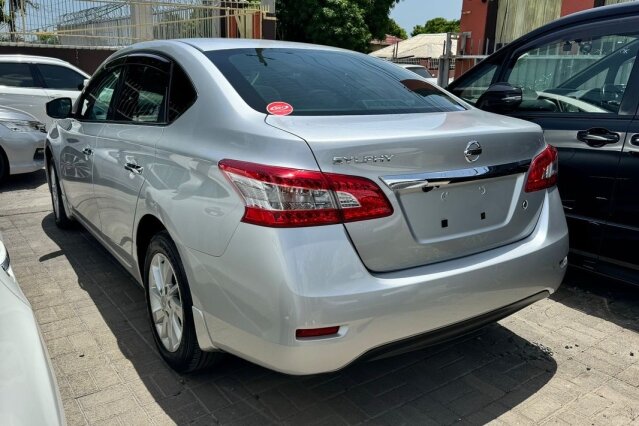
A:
(148, 226)
(5, 160)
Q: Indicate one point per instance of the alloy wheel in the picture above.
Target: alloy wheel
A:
(166, 302)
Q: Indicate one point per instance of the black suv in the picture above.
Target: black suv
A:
(578, 78)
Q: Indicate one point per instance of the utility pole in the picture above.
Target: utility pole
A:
(12, 20)
(445, 61)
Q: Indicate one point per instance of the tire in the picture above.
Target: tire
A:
(169, 306)
(62, 219)
(4, 166)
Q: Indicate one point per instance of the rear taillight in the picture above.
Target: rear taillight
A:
(316, 332)
(543, 170)
(283, 197)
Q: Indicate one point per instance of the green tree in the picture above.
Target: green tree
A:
(350, 24)
(48, 39)
(436, 26)
(394, 29)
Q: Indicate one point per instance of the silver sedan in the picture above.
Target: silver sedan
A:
(302, 206)
(21, 142)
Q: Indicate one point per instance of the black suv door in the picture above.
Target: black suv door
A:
(579, 85)
(618, 257)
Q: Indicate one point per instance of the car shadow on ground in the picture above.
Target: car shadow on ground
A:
(475, 378)
(23, 181)
(610, 300)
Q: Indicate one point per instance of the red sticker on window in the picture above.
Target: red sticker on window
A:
(279, 108)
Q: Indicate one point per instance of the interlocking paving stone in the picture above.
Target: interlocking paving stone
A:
(564, 360)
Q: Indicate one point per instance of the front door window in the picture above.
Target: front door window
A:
(576, 75)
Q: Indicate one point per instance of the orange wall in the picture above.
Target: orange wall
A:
(473, 18)
(572, 6)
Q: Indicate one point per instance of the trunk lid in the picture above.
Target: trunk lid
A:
(464, 208)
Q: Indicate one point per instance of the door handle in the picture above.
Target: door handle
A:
(634, 140)
(134, 168)
(87, 151)
(598, 137)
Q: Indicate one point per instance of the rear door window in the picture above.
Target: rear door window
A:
(58, 77)
(327, 82)
(142, 97)
(16, 74)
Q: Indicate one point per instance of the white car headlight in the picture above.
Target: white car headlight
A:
(23, 126)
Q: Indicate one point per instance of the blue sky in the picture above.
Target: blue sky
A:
(409, 13)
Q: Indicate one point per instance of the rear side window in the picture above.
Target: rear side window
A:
(324, 82)
(143, 95)
(57, 77)
(16, 75)
(182, 93)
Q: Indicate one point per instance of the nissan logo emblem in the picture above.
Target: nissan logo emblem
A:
(473, 151)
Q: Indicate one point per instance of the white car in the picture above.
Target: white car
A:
(28, 390)
(21, 143)
(422, 71)
(27, 83)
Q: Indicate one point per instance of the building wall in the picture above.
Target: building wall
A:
(514, 18)
(518, 17)
(572, 6)
(473, 19)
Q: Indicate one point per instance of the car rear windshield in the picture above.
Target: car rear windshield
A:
(325, 82)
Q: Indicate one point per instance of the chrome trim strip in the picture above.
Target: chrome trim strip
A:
(420, 181)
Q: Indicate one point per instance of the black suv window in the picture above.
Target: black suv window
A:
(474, 84)
(182, 93)
(95, 104)
(58, 77)
(142, 97)
(327, 82)
(16, 74)
(576, 74)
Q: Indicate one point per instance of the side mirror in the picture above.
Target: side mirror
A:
(500, 98)
(59, 108)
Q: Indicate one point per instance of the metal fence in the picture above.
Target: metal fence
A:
(122, 22)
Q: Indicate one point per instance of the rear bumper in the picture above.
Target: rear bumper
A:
(271, 282)
(451, 331)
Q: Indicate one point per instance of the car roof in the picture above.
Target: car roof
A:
(206, 44)
(32, 58)
(597, 13)
(209, 44)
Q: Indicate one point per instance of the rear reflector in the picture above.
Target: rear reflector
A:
(316, 332)
(543, 170)
(283, 197)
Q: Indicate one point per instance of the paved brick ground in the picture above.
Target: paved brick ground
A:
(572, 359)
